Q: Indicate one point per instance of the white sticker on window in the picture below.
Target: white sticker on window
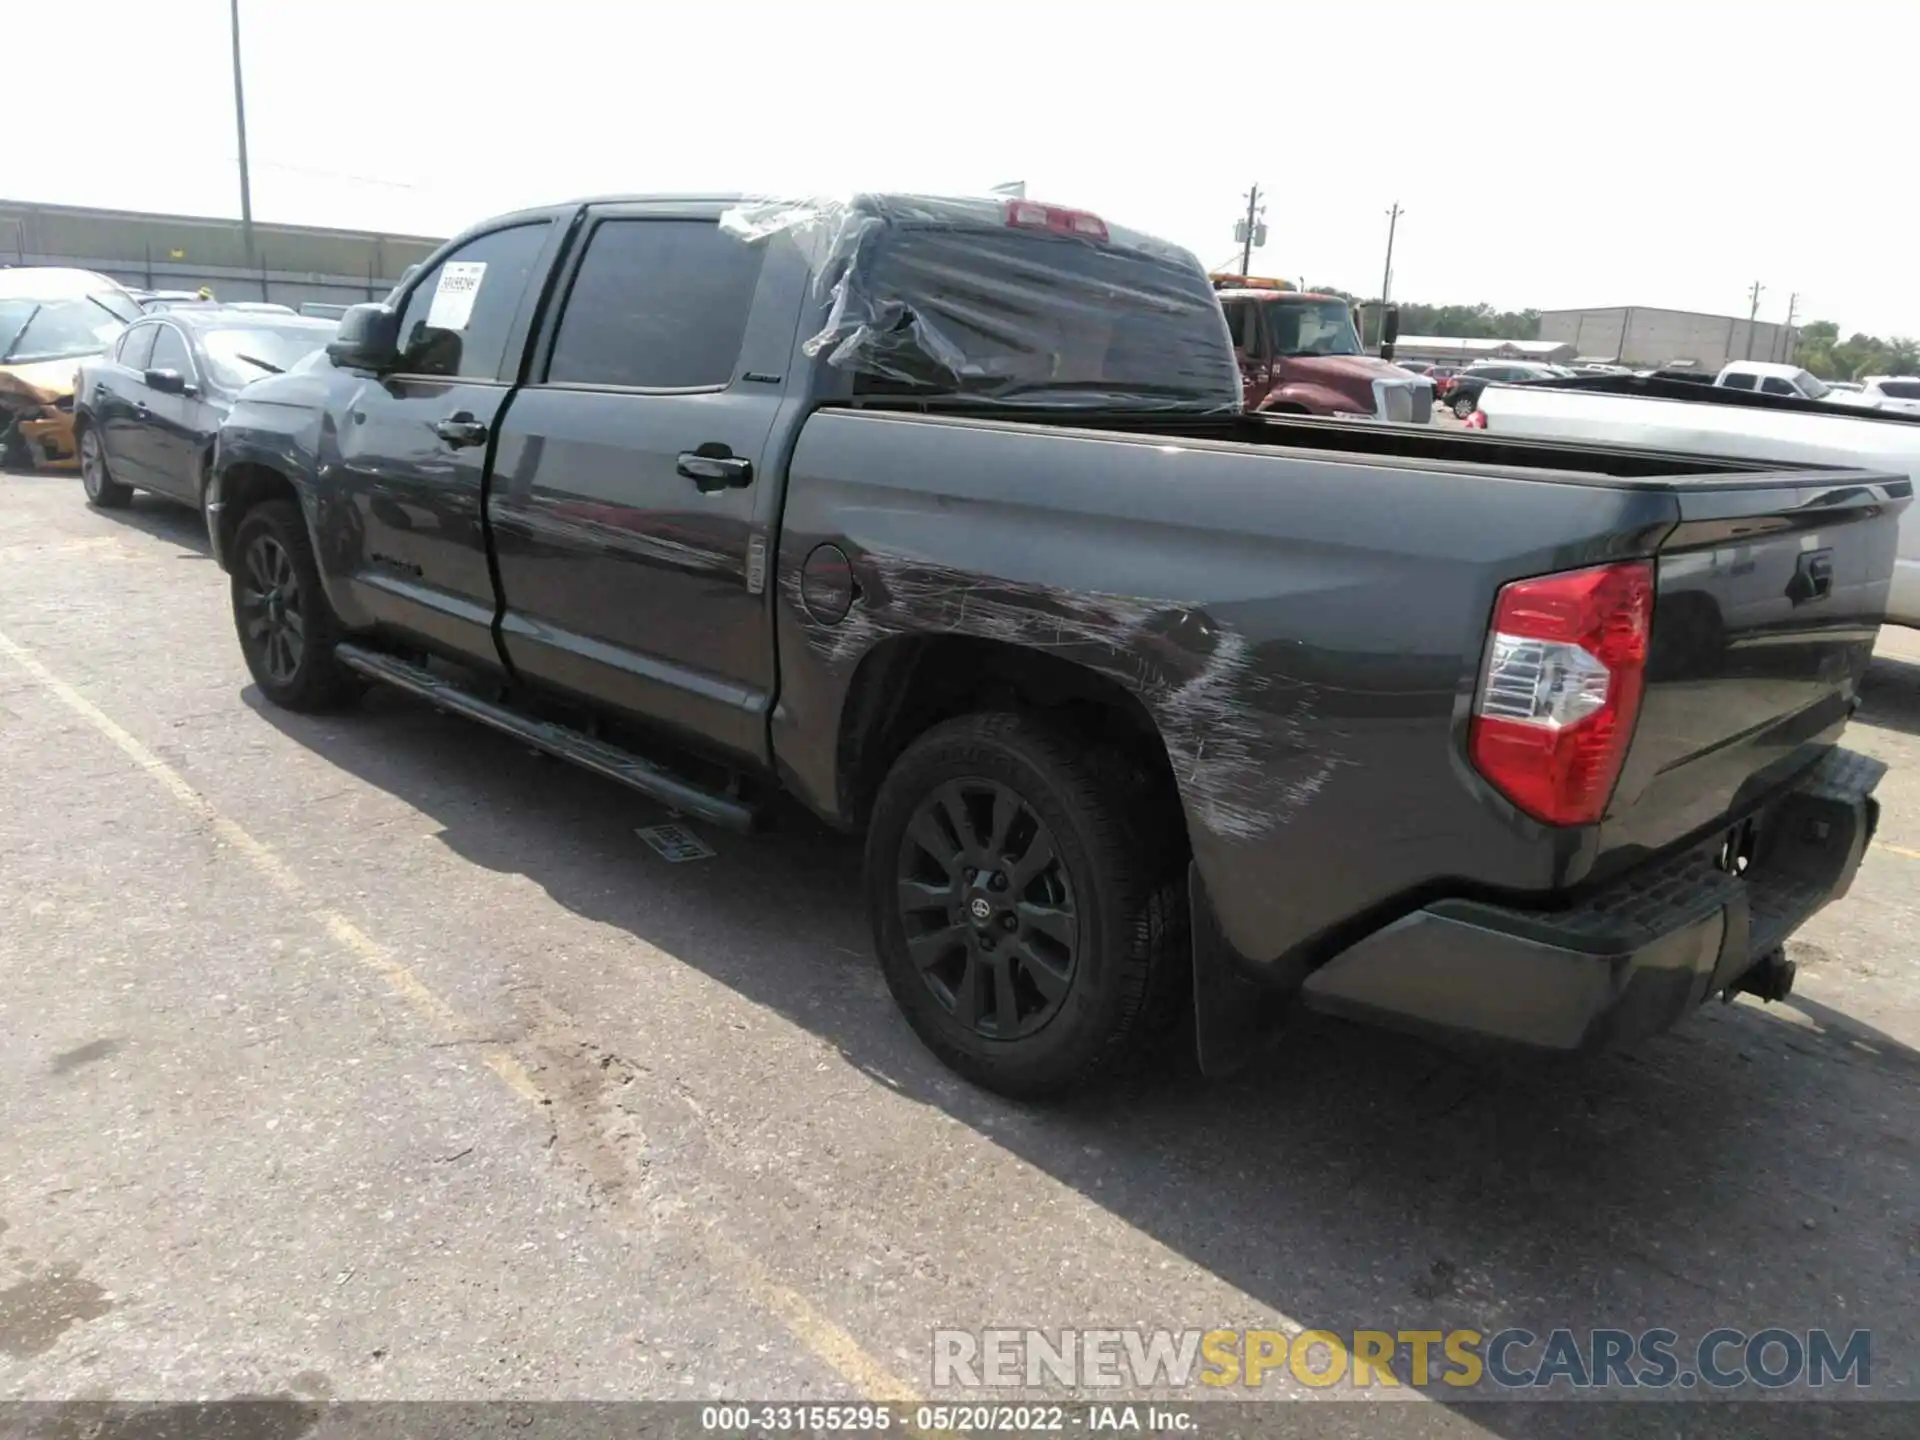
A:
(453, 297)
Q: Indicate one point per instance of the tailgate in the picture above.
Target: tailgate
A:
(1768, 598)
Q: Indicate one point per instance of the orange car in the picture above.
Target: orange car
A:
(51, 320)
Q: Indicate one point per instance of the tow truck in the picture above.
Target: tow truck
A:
(1300, 354)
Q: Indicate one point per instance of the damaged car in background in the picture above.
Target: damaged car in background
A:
(50, 320)
(946, 518)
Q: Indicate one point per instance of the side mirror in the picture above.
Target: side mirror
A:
(368, 339)
(166, 382)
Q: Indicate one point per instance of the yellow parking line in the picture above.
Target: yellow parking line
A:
(826, 1340)
(1899, 850)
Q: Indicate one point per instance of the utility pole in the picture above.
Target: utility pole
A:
(1386, 277)
(240, 119)
(1753, 310)
(1786, 331)
(1251, 231)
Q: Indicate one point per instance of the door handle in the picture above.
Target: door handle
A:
(713, 467)
(461, 430)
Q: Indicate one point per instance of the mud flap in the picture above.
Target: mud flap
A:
(1232, 1015)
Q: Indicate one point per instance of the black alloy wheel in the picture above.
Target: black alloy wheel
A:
(1026, 906)
(101, 488)
(987, 908)
(272, 608)
(288, 632)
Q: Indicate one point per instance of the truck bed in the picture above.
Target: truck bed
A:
(1304, 605)
(1569, 461)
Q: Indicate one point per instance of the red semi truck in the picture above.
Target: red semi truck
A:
(1300, 354)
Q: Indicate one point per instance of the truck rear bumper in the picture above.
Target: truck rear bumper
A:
(1629, 960)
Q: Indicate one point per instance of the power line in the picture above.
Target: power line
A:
(379, 180)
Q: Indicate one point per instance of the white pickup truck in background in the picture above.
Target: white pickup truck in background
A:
(1774, 379)
(1663, 412)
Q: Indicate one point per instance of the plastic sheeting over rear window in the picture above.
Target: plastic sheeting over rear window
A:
(945, 298)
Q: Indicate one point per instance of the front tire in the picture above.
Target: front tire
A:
(103, 491)
(287, 629)
(1020, 923)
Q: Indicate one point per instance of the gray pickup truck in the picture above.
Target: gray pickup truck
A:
(943, 518)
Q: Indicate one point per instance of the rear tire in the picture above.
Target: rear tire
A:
(286, 627)
(1033, 952)
(103, 491)
(1465, 405)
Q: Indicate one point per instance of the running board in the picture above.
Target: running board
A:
(654, 781)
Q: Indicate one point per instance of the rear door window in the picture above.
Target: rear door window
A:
(455, 322)
(170, 352)
(656, 305)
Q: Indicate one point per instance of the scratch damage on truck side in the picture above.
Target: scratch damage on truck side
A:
(1244, 764)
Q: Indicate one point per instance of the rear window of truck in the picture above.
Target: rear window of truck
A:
(1035, 319)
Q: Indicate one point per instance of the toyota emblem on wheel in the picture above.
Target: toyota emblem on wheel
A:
(981, 907)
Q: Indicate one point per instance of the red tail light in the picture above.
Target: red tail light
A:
(1565, 668)
(1476, 421)
(1032, 215)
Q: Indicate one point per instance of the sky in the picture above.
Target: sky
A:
(1550, 154)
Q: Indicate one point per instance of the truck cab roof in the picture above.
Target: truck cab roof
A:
(1275, 297)
(956, 299)
(1761, 367)
(899, 208)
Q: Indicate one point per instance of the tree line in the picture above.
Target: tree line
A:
(1818, 346)
(1460, 322)
(1821, 350)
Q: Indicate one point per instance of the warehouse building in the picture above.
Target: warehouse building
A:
(1640, 335)
(290, 264)
(1449, 350)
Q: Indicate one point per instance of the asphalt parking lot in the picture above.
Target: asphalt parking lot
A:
(374, 1057)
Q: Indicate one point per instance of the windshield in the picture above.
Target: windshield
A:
(1809, 386)
(1031, 320)
(34, 330)
(235, 354)
(119, 303)
(1312, 327)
